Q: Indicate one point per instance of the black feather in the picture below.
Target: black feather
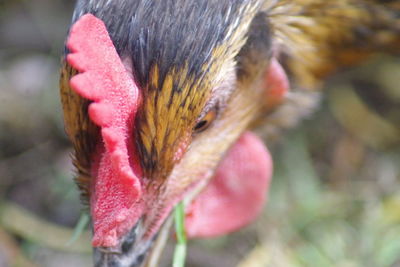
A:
(169, 33)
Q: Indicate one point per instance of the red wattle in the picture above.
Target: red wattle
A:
(103, 79)
(277, 84)
(237, 192)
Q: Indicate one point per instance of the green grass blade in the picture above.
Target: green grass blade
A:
(79, 228)
(180, 248)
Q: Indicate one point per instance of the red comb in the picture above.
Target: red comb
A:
(103, 79)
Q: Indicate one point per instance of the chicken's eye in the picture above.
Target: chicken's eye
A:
(205, 122)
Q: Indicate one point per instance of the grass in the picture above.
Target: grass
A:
(313, 223)
(180, 247)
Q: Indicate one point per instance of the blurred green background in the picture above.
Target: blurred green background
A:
(335, 196)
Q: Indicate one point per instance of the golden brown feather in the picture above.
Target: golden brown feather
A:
(318, 37)
(313, 39)
(80, 130)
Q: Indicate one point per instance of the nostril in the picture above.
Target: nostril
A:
(128, 241)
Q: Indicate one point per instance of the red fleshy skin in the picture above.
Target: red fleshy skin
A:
(115, 203)
(277, 84)
(237, 192)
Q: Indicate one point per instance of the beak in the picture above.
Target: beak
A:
(130, 252)
(133, 249)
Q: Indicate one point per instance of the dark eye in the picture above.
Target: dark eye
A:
(205, 121)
